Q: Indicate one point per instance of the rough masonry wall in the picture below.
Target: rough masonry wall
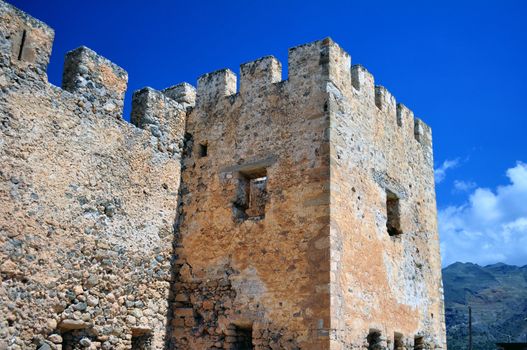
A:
(382, 286)
(88, 201)
(277, 237)
(266, 276)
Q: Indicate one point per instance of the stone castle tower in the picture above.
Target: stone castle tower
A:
(294, 213)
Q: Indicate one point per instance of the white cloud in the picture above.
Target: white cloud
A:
(491, 226)
(440, 173)
(463, 186)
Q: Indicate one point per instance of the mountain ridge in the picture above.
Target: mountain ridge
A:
(497, 294)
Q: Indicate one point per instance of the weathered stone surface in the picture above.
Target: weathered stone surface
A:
(293, 214)
(317, 268)
(55, 338)
(88, 201)
(72, 324)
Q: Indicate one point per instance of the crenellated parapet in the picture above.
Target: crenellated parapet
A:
(183, 93)
(25, 49)
(259, 74)
(161, 116)
(98, 80)
(308, 66)
(25, 42)
(311, 67)
(98, 85)
(364, 86)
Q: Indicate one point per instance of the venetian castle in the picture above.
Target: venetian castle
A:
(294, 212)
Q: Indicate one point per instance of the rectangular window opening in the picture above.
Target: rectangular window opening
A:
(251, 195)
(398, 341)
(72, 338)
(202, 150)
(141, 340)
(67, 340)
(244, 338)
(374, 340)
(419, 343)
(393, 213)
(22, 43)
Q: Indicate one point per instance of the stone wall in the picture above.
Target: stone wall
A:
(265, 274)
(385, 281)
(334, 149)
(88, 201)
(294, 213)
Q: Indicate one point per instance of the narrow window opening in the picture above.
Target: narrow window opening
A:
(398, 341)
(141, 340)
(244, 338)
(251, 196)
(22, 43)
(419, 343)
(67, 341)
(393, 213)
(72, 339)
(374, 340)
(202, 150)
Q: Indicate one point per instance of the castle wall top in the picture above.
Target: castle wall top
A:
(259, 74)
(29, 41)
(25, 42)
(311, 66)
(88, 74)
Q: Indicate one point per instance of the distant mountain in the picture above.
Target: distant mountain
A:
(498, 297)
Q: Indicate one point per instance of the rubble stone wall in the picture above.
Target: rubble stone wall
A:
(88, 201)
(268, 274)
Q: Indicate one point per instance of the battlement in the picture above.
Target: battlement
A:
(25, 42)
(259, 74)
(162, 116)
(103, 83)
(311, 66)
(96, 78)
(324, 57)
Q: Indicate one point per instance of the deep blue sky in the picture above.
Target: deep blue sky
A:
(460, 65)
